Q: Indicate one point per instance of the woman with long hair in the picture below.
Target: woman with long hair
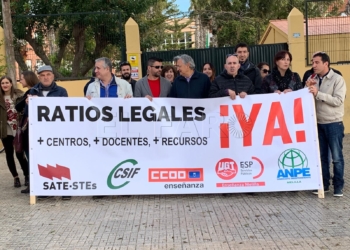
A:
(209, 70)
(28, 80)
(281, 79)
(8, 128)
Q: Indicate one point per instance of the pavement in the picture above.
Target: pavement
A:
(280, 220)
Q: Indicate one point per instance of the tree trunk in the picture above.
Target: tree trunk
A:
(39, 50)
(19, 58)
(79, 38)
(10, 54)
(214, 32)
(101, 43)
(62, 45)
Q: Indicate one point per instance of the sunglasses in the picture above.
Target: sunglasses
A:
(157, 67)
(266, 71)
(228, 55)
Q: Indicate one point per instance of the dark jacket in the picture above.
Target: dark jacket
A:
(274, 81)
(87, 84)
(20, 107)
(309, 72)
(224, 81)
(3, 112)
(251, 71)
(198, 87)
(133, 84)
(56, 91)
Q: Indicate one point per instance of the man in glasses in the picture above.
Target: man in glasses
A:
(247, 67)
(190, 83)
(230, 82)
(153, 84)
(125, 71)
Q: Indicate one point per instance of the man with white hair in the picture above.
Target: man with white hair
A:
(190, 83)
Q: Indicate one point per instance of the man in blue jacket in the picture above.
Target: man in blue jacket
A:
(47, 87)
(190, 83)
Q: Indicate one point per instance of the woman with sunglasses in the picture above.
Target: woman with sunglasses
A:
(8, 127)
(281, 79)
(264, 69)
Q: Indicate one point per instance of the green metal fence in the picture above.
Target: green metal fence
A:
(217, 56)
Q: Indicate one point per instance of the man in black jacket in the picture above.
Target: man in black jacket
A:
(230, 82)
(190, 83)
(247, 67)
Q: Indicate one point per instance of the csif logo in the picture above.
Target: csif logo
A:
(293, 164)
(51, 172)
(118, 172)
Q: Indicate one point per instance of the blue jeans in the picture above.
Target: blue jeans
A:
(331, 137)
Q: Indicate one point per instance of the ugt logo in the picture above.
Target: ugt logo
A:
(293, 164)
(50, 172)
(122, 173)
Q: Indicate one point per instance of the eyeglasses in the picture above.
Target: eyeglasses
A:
(228, 55)
(266, 71)
(157, 67)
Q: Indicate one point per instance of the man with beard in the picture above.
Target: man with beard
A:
(125, 71)
(247, 67)
(153, 85)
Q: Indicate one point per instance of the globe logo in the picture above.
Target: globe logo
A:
(292, 158)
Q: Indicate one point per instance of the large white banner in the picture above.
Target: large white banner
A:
(134, 146)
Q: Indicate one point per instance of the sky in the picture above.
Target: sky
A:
(183, 5)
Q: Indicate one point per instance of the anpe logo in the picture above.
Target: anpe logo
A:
(293, 164)
(122, 173)
(51, 172)
(226, 169)
(175, 174)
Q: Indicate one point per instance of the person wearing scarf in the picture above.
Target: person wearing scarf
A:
(281, 79)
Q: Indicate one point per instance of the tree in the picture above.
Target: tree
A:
(233, 21)
(77, 38)
(153, 24)
(10, 56)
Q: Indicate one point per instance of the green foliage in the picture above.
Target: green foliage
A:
(152, 23)
(3, 67)
(60, 36)
(245, 21)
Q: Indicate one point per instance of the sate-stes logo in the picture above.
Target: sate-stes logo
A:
(60, 177)
(51, 172)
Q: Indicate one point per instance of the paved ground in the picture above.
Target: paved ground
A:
(294, 220)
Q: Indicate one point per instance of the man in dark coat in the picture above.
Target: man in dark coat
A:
(230, 82)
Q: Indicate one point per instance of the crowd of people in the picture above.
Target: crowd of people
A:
(240, 77)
